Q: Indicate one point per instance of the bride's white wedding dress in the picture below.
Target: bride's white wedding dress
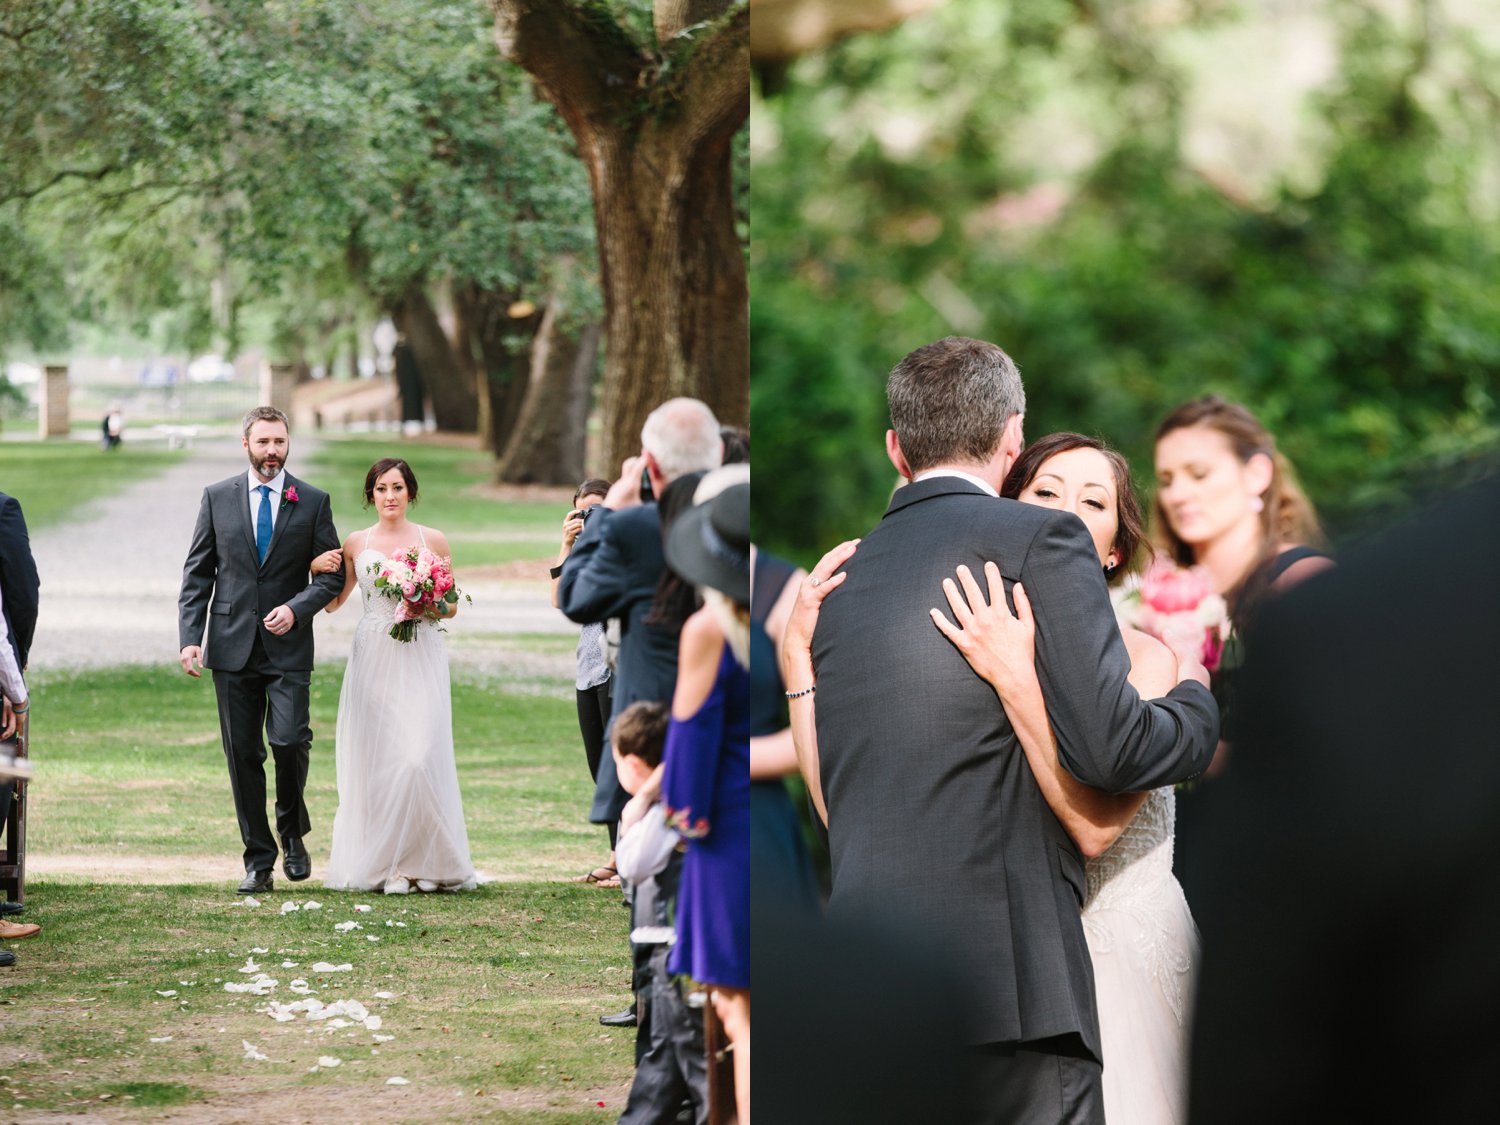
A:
(1144, 946)
(400, 820)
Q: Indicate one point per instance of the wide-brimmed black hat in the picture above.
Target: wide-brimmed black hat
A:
(709, 544)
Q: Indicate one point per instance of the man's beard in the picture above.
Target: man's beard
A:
(258, 464)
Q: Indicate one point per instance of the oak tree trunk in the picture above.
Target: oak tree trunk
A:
(654, 127)
(547, 443)
(450, 389)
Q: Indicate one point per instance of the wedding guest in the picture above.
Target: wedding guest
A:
(736, 444)
(16, 705)
(614, 569)
(672, 1073)
(1350, 971)
(706, 770)
(592, 682)
(781, 868)
(1228, 502)
(20, 589)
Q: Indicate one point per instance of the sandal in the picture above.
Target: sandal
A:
(600, 877)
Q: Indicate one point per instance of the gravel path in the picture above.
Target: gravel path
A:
(111, 576)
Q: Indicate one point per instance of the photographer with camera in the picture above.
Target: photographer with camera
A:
(593, 682)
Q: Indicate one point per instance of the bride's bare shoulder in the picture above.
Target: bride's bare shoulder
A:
(1149, 658)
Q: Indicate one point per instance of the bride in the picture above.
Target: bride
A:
(1142, 941)
(400, 820)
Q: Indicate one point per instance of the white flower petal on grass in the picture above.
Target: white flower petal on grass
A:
(397, 1082)
(161, 1039)
(258, 949)
(385, 996)
(248, 900)
(334, 1025)
(301, 987)
(252, 1053)
(249, 966)
(328, 1060)
(371, 937)
(382, 1038)
(289, 964)
(168, 992)
(289, 906)
(362, 909)
(325, 967)
(347, 926)
(311, 905)
(372, 1023)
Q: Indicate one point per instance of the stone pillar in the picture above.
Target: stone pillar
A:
(52, 403)
(276, 383)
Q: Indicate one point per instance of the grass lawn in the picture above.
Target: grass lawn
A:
(495, 994)
(453, 495)
(53, 478)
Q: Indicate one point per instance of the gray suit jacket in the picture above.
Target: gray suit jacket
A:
(224, 583)
(934, 815)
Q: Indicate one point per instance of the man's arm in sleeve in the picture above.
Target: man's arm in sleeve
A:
(324, 587)
(1107, 736)
(22, 586)
(198, 574)
(597, 580)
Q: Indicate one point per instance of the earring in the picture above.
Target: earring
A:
(1257, 505)
(1109, 569)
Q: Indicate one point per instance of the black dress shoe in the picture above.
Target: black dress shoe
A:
(256, 883)
(620, 1019)
(8, 907)
(294, 859)
(7, 957)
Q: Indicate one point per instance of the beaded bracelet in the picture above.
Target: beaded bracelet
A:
(800, 694)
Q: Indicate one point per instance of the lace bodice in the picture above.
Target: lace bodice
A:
(1140, 857)
(1133, 898)
(376, 604)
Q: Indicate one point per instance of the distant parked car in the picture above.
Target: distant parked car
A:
(159, 373)
(211, 369)
(22, 374)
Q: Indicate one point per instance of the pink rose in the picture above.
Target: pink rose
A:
(1169, 589)
(291, 495)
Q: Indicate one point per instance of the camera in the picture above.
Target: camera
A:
(647, 495)
(578, 514)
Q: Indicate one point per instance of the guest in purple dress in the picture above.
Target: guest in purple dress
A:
(706, 783)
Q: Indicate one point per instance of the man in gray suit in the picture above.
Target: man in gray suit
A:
(935, 819)
(246, 578)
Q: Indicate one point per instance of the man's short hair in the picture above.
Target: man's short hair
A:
(641, 731)
(264, 414)
(683, 435)
(950, 400)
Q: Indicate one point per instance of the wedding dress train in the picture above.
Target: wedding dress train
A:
(400, 820)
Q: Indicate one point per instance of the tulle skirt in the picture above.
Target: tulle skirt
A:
(400, 815)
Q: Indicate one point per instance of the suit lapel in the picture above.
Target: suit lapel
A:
(240, 490)
(283, 516)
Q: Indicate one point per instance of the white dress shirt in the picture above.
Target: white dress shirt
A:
(970, 477)
(277, 483)
(12, 686)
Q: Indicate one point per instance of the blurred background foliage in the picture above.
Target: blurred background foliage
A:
(1294, 205)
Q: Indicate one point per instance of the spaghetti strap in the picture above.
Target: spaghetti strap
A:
(422, 535)
(367, 537)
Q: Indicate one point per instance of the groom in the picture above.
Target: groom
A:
(247, 575)
(935, 819)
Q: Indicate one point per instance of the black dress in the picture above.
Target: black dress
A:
(781, 869)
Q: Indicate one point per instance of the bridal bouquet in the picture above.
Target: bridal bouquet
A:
(419, 581)
(1176, 606)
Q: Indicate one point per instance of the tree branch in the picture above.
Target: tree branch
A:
(584, 62)
(715, 90)
(93, 174)
(672, 17)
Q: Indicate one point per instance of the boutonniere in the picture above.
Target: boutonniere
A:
(289, 496)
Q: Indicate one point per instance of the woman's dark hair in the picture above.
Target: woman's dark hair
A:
(383, 466)
(1131, 530)
(594, 486)
(736, 444)
(675, 599)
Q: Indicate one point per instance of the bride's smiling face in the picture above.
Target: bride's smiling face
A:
(1080, 481)
(390, 494)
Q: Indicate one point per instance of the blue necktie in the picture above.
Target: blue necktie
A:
(263, 522)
